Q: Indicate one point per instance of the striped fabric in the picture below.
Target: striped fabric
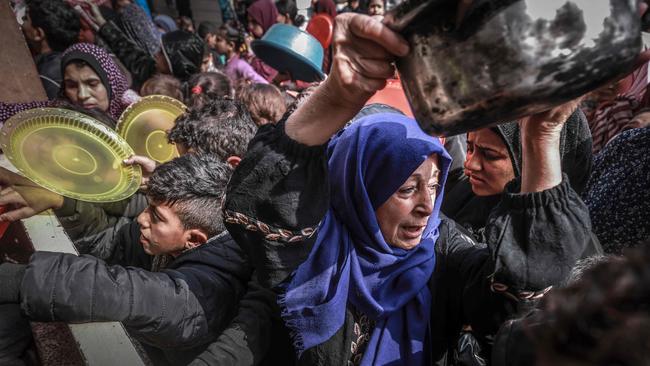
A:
(613, 117)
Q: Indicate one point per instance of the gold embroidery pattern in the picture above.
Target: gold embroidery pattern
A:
(503, 289)
(270, 233)
(363, 326)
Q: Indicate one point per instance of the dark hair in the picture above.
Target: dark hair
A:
(58, 20)
(601, 319)
(207, 86)
(235, 36)
(264, 102)
(184, 51)
(161, 84)
(222, 127)
(194, 186)
(289, 8)
(185, 23)
(207, 27)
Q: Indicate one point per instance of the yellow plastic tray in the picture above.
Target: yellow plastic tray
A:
(144, 125)
(71, 154)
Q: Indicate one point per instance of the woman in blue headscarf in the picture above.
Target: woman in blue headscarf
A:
(347, 230)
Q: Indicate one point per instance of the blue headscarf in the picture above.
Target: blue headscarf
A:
(351, 263)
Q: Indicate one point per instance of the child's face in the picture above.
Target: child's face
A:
(206, 63)
(211, 40)
(161, 231)
(221, 45)
(376, 7)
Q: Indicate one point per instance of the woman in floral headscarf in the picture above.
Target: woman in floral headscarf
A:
(139, 28)
(91, 80)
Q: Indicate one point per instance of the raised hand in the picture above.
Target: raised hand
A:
(540, 140)
(364, 50)
(146, 164)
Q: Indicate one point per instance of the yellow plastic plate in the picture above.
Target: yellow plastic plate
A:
(144, 125)
(71, 154)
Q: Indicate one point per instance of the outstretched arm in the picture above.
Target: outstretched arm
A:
(364, 49)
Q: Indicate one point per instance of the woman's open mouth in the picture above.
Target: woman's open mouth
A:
(413, 231)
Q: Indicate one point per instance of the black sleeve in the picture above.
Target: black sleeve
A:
(247, 339)
(533, 242)
(141, 65)
(275, 200)
(15, 335)
(537, 238)
(157, 308)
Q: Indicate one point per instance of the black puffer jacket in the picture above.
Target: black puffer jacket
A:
(178, 311)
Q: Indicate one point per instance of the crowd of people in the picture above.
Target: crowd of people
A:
(301, 226)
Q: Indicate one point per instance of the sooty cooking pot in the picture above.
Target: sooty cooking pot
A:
(509, 58)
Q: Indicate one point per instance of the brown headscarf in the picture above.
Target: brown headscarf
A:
(264, 12)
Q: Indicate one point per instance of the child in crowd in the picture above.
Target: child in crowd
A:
(209, 58)
(208, 32)
(161, 84)
(265, 102)
(185, 23)
(222, 127)
(231, 43)
(176, 312)
(205, 87)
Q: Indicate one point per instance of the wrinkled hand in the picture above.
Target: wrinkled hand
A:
(27, 201)
(364, 50)
(540, 141)
(9, 178)
(548, 123)
(146, 164)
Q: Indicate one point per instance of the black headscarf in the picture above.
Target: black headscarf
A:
(461, 204)
(184, 53)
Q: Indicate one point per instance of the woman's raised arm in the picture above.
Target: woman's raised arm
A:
(364, 50)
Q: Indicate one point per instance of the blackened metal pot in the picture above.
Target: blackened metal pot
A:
(509, 58)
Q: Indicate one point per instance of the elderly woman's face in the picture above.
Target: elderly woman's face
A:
(404, 216)
(487, 165)
(82, 86)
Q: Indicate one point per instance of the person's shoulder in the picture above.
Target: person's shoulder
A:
(219, 251)
(453, 236)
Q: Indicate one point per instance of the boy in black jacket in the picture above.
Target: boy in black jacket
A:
(184, 306)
